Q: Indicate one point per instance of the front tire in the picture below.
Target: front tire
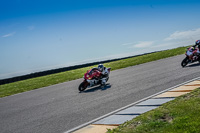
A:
(184, 62)
(82, 86)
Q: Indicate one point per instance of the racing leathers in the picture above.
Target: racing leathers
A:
(196, 46)
(104, 75)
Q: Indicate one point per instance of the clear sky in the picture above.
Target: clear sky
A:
(37, 35)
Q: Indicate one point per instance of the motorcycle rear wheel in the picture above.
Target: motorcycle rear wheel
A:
(82, 86)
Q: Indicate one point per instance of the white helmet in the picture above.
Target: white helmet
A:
(100, 67)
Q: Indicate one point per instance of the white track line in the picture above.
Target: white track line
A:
(101, 117)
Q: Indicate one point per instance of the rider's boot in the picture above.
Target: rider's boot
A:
(103, 83)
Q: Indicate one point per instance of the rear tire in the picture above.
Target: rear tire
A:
(184, 62)
(82, 86)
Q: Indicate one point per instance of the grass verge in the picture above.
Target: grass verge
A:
(181, 115)
(35, 83)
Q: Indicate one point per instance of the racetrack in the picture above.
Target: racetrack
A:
(61, 107)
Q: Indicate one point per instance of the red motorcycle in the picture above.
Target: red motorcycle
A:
(91, 78)
(191, 56)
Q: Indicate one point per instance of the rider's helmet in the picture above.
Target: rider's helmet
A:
(197, 42)
(191, 49)
(100, 67)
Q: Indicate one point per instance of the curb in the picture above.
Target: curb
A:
(117, 117)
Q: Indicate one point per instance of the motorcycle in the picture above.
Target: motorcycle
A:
(190, 51)
(92, 78)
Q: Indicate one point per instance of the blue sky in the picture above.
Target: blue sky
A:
(38, 35)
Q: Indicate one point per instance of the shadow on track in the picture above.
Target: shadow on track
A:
(194, 65)
(107, 86)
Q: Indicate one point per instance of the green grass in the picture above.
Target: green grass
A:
(35, 83)
(181, 115)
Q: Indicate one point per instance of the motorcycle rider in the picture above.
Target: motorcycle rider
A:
(104, 73)
(196, 46)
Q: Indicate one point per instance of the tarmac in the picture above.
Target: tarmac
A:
(114, 120)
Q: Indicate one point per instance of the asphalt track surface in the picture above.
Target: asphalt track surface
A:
(59, 108)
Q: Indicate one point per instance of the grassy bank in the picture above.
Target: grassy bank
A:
(181, 115)
(35, 83)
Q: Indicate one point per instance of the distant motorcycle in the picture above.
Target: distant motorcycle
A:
(92, 78)
(190, 51)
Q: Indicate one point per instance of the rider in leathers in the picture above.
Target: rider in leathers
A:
(104, 74)
(196, 46)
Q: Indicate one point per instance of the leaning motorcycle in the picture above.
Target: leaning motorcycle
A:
(92, 78)
(190, 51)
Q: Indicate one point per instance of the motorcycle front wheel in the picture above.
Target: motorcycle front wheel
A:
(82, 86)
(184, 62)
